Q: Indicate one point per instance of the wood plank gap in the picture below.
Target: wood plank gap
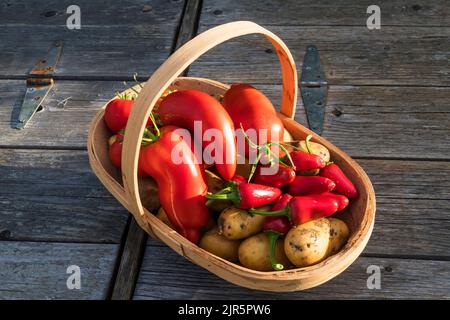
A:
(407, 257)
(118, 261)
(55, 148)
(143, 78)
(4, 240)
(130, 259)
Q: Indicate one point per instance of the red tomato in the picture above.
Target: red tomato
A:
(115, 153)
(117, 113)
(251, 108)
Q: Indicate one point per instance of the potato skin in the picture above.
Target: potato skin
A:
(316, 148)
(214, 242)
(235, 223)
(254, 253)
(307, 244)
(339, 234)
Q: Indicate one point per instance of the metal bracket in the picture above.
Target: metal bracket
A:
(314, 89)
(39, 83)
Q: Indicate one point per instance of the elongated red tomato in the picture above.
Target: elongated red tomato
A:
(181, 181)
(251, 108)
(198, 111)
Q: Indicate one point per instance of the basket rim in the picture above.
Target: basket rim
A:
(332, 265)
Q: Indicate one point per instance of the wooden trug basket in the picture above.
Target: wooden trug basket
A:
(359, 217)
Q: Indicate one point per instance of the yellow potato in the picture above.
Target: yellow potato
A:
(316, 148)
(339, 234)
(235, 223)
(254, 253)
(161, 215)
(307, 244)
(287, 137)
(214, 242)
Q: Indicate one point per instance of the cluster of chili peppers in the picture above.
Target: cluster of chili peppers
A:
(325, 191)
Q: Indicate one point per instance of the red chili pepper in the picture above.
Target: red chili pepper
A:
(275, 227)
(282, 202)
(341, 200)
(238, 179)
(247, 195)
(306, 185)
(181, 184)
(302, 209)
(343, 184)
(306, 161)
(282, 177)
(185, 108)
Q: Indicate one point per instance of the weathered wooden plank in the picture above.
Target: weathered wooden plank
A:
(114, 40)
(412, 201)
(95, 52)
(328, 12)
(398, 122)
(54, 196)
(350, 55)
(31, 270)
(125, 12)
(400, 179)
(59, 124)
(130, 262)
(166, 275)
(383, 121)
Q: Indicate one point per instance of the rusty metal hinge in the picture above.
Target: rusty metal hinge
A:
(314, 89)
(39, 83)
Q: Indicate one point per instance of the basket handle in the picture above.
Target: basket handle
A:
(171, 69)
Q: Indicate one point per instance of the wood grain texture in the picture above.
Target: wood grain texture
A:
(54, 196)
(115, 40)
(30, 270)
(412, 201)
(165, 275)
(400, 55)
(390, 121)
(328, 12)
(60, 123)
(124, 12)
(404, 121)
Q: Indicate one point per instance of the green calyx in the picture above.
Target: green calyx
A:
(266, 149)
(229, 193)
